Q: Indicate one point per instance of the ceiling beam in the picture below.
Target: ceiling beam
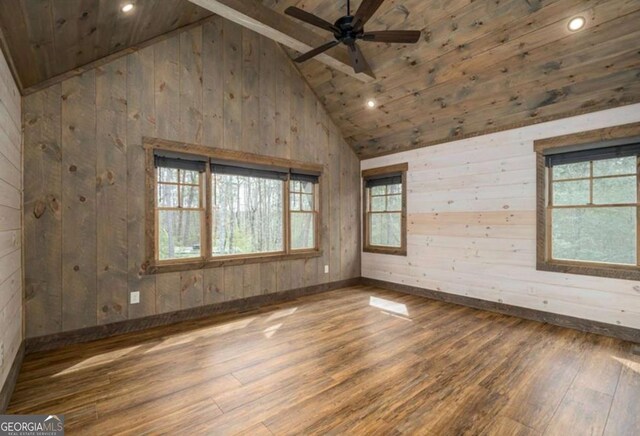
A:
(280, 28)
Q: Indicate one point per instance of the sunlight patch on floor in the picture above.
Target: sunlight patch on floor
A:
(282, 313)
(389, 306)
(634, 366)
(393, 315)
(97, 360)
(191, 336)
(270, 331)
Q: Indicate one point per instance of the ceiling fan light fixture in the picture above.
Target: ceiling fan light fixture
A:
(576, 23)
(128, 7)
(348, 30)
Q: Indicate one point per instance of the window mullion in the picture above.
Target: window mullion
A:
(179, 190)
(590, 182)
(206, 195)
(287, 215)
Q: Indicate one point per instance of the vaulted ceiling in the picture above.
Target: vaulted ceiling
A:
(46, 38)
(481, 65)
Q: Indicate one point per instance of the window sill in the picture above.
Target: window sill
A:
(622, 272)
(385, 250)
(195, 264)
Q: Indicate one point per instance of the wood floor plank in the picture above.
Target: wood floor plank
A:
(358, 360)
(581, 408)
(506, 426)
(624, 417)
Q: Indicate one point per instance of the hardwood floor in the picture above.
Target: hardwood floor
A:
(359, 360)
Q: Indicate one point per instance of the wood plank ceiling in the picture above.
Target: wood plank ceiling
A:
(481, 65)
(46, 38)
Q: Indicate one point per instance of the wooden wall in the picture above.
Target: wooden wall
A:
(218, 85)
(472, 229)
(10, 233)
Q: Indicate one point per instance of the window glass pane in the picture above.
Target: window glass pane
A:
(302, 231)
(612, 167)
(307, 202)
(295, 202)
(571, 193)
(295, 186)
(307, 187)
(190, 196)
(247, 215)
(378, 204)
(394, 202)
(167, 195)
(168, 175)
(189, 177)
(378, 190)
(179, 234)
(385, 229)
(571, 171)
(602, 234)
(395, 189)
(615, 190)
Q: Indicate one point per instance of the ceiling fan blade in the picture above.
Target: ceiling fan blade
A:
(309, 18)
(358, 61)
(365, 12)
(316, 51)
(397, 36)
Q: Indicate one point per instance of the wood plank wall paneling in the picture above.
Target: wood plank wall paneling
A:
(11, 307)
(79, 217)
(216, 85)
(472, 226)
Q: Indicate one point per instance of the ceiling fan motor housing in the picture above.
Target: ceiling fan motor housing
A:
(348, 34)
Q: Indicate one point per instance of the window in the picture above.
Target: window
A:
(303, 211)
(591, 209)
(384, 218)
(248, 211)
(222, 206)
(180, 210)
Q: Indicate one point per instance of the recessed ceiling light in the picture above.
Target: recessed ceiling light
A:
(576, 23)
(371, 103)
(127, 8)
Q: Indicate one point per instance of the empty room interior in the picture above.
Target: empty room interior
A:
(293, 217)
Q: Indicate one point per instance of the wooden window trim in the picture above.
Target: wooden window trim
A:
(202, 209)
(152, 265)
(366, 247)
(544, 262)
(316, 217)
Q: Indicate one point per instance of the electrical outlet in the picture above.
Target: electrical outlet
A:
(135, 297)
(326, 269)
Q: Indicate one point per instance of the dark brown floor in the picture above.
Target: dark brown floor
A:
(358, 361)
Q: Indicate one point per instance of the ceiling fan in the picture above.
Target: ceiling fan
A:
(349, 29)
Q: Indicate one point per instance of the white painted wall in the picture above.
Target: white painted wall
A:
(10, 230)
(472, 228)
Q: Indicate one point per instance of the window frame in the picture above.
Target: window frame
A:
(390, 170)
(593, 139)
(153, 264)
(315, 212)
(202, 209)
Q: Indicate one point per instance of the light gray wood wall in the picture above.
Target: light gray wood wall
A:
(472, 226)
(217, 85)
(10, 232)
